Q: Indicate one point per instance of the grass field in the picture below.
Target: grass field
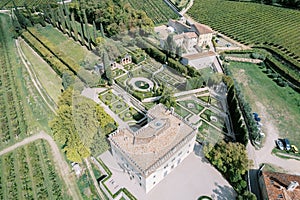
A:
(29, 173)
(51, 82)
(74, 50)
(252, 23)
(282, 104)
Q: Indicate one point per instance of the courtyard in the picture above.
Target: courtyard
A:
(193, 178)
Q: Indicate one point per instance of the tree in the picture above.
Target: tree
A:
(68, 79)
(167, 98)
(179, 51)
(107, 68)
(170, 46)
(230, 159)
(74, 27)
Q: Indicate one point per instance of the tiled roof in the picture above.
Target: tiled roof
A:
(155, 140)
(190, 35)
(202, 29)
(199, 55)
(277, 184)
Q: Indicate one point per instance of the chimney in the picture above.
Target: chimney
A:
(292, 186)
(172, 110)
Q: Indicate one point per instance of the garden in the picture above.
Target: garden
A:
(151, 73)
(131, 115)
(192, 106)
(119, 107)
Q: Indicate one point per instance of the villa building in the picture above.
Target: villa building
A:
(152, 152)
(196, 34)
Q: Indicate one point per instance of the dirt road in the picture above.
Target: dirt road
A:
(33, 76)
(61, 165)
(264, 155)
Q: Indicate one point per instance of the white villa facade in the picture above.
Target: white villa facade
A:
(151, 153)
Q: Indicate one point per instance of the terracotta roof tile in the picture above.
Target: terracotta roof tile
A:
(277, 183)
(202, 29)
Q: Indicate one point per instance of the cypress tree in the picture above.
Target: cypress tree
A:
(74, 27)
(102, 30)
(87, 32)
(62, 19)
(94, 32)
(82, 32)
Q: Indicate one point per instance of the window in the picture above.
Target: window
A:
(172, 167)
(188, 152)
(165, 166)
(179, 160)
(180, 153)
(173, 160)
(154, 176)
(141, 184)
(165, 174)
(154, 183)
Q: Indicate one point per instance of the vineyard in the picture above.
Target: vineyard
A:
(253, 24)
(30, 3)
(29, 173)
(157, 10)
(12, 122)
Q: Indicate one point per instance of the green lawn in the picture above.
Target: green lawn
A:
(282, 104)
(73, 49)
(209, 134)
(131, 115)
(50, 81)
(181, 111)
(192, 106)
(108, 97)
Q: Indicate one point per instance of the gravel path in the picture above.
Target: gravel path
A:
(59, 161)
(264, 155)
(33, 76)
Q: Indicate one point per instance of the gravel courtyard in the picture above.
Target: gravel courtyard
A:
(194, 177)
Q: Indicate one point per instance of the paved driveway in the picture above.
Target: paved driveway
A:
(192, 178)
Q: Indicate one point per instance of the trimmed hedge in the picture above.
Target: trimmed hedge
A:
(74, 67)
(124, 190)
(48, 56)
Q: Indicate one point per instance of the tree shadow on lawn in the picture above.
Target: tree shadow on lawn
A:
(223, 192)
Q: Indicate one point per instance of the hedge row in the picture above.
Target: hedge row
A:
(288, 74)
(281, 55)
(124, 190)
(239, 129)
(74, 67)
(161, 57)
(48, 56)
